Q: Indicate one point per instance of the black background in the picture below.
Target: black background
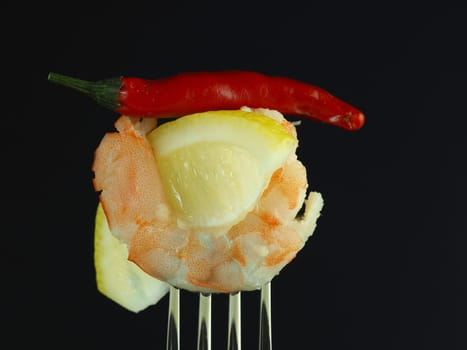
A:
(386, 266)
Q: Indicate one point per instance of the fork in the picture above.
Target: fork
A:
(234, 339)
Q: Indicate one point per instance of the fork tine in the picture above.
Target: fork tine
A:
(204, 322)
(173, 323)
(235, 323)
(265, 333)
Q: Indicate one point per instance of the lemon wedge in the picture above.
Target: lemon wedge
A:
(117, 278)
(215, 165)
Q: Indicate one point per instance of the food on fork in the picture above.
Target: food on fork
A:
(207, 202)
(210, 201)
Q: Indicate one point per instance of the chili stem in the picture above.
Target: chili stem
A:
(105, 92)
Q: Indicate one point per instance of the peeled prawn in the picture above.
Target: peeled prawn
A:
(215, 260)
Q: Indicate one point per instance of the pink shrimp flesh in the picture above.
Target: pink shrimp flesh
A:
(214, 260)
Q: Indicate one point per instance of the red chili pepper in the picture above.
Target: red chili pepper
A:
(188, 93)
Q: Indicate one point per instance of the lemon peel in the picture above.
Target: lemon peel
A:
(118, 278)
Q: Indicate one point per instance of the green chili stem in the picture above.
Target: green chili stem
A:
(105, 92)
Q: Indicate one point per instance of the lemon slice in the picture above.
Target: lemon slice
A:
(119, 279)
(215, 165)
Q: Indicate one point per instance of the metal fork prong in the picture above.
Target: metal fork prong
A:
(265, 329)
(204, 322)
(173, 323)
(235, 322)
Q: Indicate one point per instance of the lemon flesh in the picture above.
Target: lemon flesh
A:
(119, 279)
(215, 165)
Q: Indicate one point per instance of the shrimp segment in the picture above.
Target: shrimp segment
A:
(214, 260)
(126, 173)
